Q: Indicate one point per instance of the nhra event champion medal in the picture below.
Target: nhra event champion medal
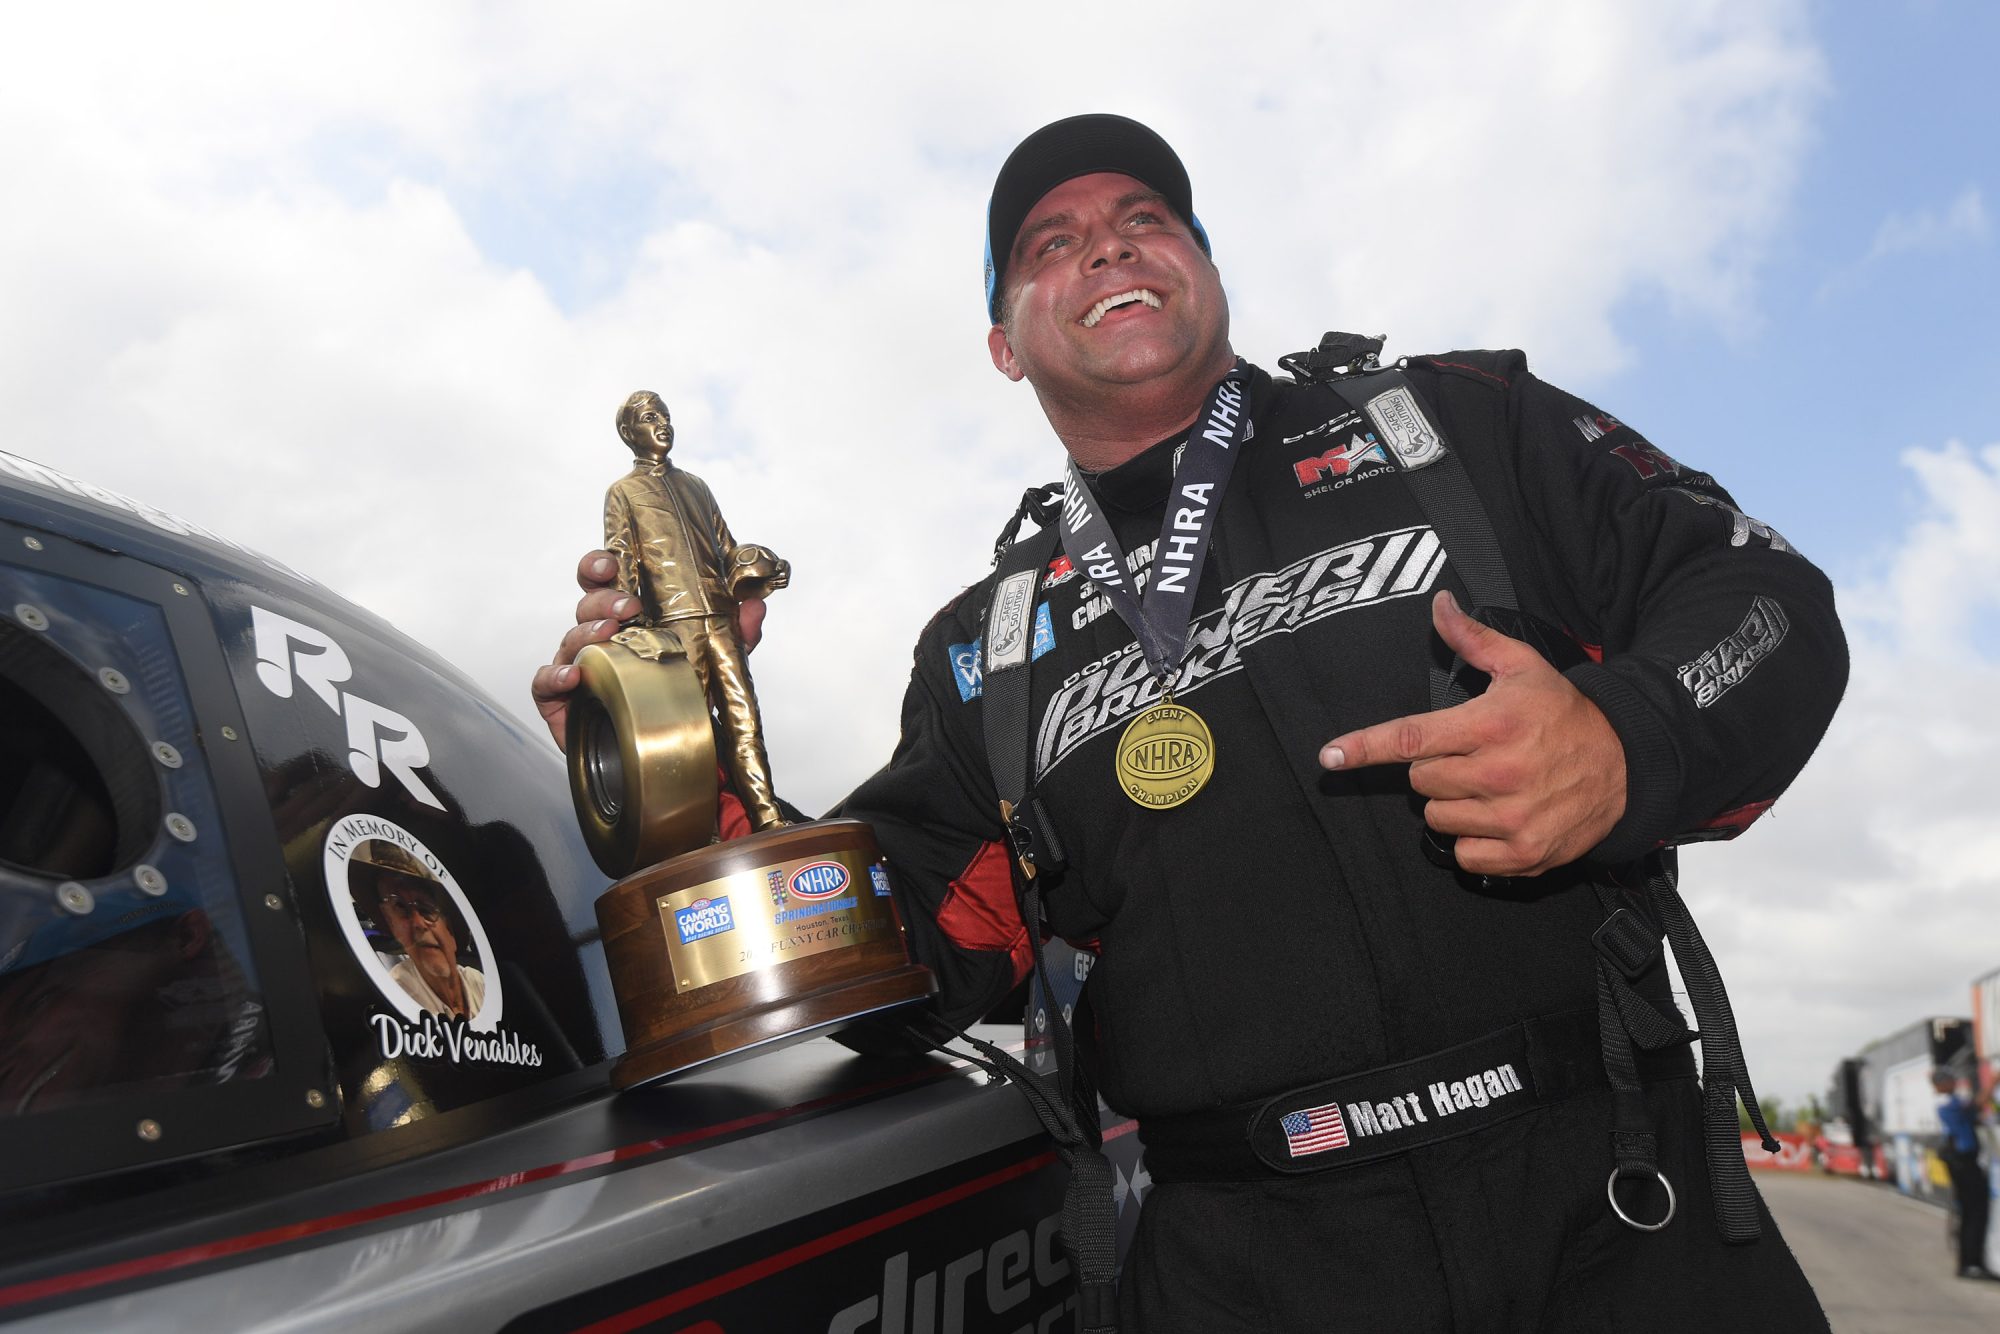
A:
(1166, 754)
(715, 949)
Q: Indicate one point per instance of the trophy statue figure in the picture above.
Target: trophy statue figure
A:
(675, 555)
(715, 948)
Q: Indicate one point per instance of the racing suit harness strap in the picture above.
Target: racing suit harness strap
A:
(1626, 946)
(1005, 652)
(1437, 477)
(1068, 1111)
(1375, 1114)
(1725, 1075)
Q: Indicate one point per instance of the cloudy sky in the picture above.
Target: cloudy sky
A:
(362, 285)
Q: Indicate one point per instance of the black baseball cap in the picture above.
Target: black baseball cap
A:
(1063, 151)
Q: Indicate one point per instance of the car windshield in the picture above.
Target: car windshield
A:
(124, 963)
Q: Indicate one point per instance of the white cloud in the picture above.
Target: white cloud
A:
(1961, 223)
(1963, 220)
(1870, 897)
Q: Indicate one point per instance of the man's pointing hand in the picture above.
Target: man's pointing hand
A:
(1529, 775)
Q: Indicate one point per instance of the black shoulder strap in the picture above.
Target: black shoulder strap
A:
(1068, 1111)
(1007, 646)
(1626, 946)
(1437, 477)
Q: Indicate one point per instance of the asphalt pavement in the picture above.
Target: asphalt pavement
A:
(1877, 1259)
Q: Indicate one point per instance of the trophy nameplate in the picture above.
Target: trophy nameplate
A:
(716, 949)
(715, 953)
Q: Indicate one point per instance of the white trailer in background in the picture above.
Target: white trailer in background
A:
(1986, 1033)
(1898, 1101)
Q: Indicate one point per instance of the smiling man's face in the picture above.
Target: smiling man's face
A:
(1106, 288)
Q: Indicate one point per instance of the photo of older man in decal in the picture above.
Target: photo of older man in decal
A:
(414, 925)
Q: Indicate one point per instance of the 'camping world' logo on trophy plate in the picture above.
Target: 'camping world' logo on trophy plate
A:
(704, 918)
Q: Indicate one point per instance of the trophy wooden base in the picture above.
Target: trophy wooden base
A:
(744, 946)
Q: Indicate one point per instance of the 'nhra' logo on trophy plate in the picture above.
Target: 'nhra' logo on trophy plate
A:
(821, 880)
(702, 918)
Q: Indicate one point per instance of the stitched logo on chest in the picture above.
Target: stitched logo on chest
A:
(1362, 456)
(1401, 563)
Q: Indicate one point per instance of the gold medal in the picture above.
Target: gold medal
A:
(1165, 755)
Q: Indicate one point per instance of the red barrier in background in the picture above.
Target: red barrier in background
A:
(1794, 1154)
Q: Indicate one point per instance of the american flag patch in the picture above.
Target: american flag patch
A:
(1314, 1130)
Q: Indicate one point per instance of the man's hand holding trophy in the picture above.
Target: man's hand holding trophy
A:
(715, 948)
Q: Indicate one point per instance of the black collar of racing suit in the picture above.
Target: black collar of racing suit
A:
(1141, 482)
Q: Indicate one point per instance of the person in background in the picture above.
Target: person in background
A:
(1960, 1152)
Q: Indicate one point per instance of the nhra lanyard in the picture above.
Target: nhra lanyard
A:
(1159, 618)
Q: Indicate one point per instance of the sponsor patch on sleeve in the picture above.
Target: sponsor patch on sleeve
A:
(1718, 671)
(1594, 426)
(1644, 458)
(965, 670)
(1045, 632)
(1742, 528)
(1648, 460)
(967, 662)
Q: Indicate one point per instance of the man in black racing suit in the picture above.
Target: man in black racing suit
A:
(1283, 926)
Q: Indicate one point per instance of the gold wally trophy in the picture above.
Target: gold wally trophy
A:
(715, 949)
